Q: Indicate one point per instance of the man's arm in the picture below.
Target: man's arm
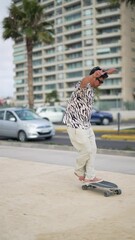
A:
(111, 70)
(90, 78)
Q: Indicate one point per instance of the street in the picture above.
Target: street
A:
(121, 164)
(62, 139)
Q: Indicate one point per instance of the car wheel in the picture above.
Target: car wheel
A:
(105, 121)
(22, 136)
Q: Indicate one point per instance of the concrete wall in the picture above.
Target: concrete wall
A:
(125, 115)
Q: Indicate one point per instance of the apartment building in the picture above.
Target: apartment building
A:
(88, 33)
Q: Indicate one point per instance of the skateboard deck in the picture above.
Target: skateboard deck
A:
(108, 188)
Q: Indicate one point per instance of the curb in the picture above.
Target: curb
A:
(65, 148)
(119, 137)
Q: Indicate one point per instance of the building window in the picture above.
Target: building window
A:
(108, 30)
(58, 11)
(38, 96)
(50, 60)
(37, 88)
(74, 36)
(50, 78)
(50, 69)
(50, 87)
(88, 52)
(59, 21)
(88, 22)
(60, 58)
(20, 57)
(37, 62)
(74, 46)
(89, 63)
(111, 81)
(74, 74)
(20, 65)
(88, 42)
(59, 39)
(109, 40)
(110, 61)
(19, 81)
(74, 55)
(87, 12)
(20, 89)
(88, 32)
(50, 51)
(37, 54)
(22, 97)
(60, 48)
(73, 17)
(60, 76)
(73, 26)
(37, 71)
(19, 74)
(87, 2)
(60, 66)
(37, 79)
(59, 30)
(73, 7)
(58, 2)
(74, 65)
(60, 85)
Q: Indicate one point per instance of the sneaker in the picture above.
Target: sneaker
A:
(93, 180)
(81, 178)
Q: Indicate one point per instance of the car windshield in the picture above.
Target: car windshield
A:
(26, 115)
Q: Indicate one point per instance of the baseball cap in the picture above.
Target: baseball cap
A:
(94, 70)
(104, 75)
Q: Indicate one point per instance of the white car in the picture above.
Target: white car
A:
(53, 113)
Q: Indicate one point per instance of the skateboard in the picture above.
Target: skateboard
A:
(108, 188)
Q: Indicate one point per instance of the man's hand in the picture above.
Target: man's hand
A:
(98, 73)
(111, 70)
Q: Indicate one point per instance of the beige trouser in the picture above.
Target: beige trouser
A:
(84, 142)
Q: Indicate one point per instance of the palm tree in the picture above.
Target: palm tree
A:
(52, 97)
(128, 2)
(27, 22)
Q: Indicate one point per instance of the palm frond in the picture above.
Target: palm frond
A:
(128, 2)
(10, 28)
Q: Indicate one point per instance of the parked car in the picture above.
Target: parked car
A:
(53, 113)
(101, 118)
(23, 124)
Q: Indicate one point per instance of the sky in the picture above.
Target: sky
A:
(6, 57)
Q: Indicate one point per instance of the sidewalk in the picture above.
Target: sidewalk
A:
(41, 201)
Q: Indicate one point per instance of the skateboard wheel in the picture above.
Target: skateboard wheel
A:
(84, 187)
(118, 192)
(107, 194)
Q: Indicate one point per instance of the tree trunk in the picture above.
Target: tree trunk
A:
(29, 47)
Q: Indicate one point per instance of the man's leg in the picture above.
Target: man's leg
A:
(91, 149)
(81, 160)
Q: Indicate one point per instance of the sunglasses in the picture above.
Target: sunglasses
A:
(100, 81)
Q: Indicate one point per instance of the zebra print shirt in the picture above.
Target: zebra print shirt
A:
(79, 107)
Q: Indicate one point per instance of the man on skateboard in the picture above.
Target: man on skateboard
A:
(77, 118)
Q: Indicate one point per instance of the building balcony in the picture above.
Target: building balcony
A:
(101, 4)
(108, 24)
(108, 55)
(107, 35)
(70, 2)
(110, 97)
